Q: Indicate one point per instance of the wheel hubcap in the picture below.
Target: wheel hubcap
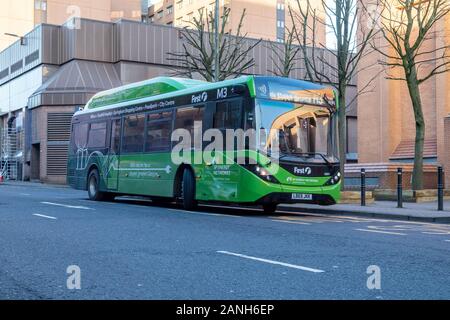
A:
(92, 186)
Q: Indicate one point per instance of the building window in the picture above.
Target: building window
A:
(160, 14)
(179, 22)
(40, 12)
(280, 24)
(280, 40)
(4, 73)
(280, 6)
(190, 1)
(180, 4)
(40, 5)
(169, 10)
(151, 18)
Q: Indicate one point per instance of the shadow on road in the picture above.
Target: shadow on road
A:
(210, 208)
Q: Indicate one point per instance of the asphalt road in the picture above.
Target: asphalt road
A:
(133, 249)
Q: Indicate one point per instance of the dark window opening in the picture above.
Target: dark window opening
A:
(227, 115)
(159, 130)
(97, 135)
(133, 134)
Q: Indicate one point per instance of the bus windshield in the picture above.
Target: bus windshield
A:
(304, 131)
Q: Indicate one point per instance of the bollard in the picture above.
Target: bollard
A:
(363, 187)
(399, 188)
(440, 187)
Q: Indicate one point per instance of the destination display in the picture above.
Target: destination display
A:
(294, 91)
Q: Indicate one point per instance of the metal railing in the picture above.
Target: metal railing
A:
(11, 153)
(440, 188)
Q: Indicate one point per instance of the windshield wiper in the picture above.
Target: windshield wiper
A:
(314, 153)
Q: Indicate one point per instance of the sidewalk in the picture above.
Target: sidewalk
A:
(423, 212)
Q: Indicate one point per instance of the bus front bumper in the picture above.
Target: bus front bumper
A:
(283, 197)
(326, 195)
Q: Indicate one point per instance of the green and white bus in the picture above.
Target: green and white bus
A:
(122, 142)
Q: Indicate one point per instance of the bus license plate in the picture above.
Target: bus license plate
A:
(301, 196)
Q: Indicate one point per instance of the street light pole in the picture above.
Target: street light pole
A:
(216, 43)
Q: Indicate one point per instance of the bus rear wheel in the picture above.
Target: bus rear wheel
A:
(188, 190)
(270, 207)
(94, 188)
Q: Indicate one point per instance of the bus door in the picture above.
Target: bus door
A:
(114, 155)
(221, 172)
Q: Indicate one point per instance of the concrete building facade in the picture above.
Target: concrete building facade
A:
(265, 19)
(18, 17)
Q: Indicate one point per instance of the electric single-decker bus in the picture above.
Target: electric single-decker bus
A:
(249, 141)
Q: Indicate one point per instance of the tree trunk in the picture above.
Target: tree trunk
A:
(342, 128)
(414, 92)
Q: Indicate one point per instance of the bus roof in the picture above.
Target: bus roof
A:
(167, 87)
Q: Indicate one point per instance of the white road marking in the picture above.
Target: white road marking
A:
(292, 222)
(447, 240)
(205, 213)
(271, 262)
(437, 233)
(44, 216)
(385, 232)
(66, 205)
(25, 194)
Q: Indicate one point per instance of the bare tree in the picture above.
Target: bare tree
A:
(198, 53)
(407, 26)
(284, 55)
(338, 66)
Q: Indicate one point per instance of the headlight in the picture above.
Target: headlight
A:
(261, 172)
(334, 179)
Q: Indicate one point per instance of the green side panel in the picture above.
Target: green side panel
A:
(251, 86)
(147, 174)
(228, 181)
(219, 180)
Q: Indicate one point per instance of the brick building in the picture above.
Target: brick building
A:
(265, 19)
(386, 126)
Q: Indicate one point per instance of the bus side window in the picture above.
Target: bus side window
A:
(133, 134)
(227, 115)
(79, 136)
(115, 136)
(186, 117)
(97, 135)
(159, 130)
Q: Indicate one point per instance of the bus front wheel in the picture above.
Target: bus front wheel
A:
(94, 190)
(188, 190)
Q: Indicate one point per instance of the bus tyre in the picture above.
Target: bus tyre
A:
(188, 190)
(270, 207)
(93, 188)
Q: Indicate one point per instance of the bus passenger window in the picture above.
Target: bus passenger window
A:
(80, 136)
(97, 135)
(228, 114)
(133, 134)
(187, 116)
(159, 130)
